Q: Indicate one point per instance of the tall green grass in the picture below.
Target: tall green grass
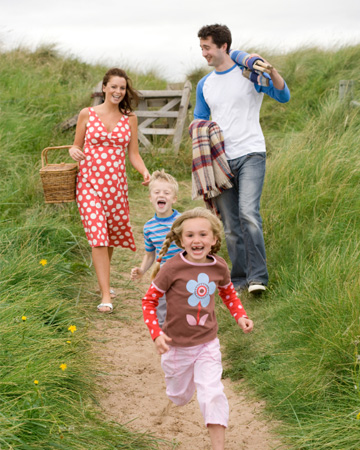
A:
(45, 262)
(303, 356)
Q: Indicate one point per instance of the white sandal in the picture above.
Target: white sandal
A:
(108, 305)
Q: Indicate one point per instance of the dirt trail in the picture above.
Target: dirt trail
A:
(132, 381)
(133, 388)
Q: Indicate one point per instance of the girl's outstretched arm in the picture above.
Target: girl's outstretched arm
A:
(234, 305)
(232, 302)
(161, 343)
(245, 324)
(149, 304)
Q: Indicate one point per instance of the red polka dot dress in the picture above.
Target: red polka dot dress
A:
(101, 190)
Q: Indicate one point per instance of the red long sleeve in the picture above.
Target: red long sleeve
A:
(232, 302)
(149, 304)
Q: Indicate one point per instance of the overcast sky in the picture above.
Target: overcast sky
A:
(162, 34)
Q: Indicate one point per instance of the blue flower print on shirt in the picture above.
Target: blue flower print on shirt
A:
(200, 290)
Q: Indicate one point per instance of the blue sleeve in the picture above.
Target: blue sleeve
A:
(202, 110)
(149, 246)
(280, 95)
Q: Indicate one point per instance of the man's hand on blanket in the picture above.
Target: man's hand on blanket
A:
(252, 61)
(257, 62)
(276, 78)
(262, 66)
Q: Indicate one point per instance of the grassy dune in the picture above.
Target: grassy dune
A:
(304, 356)
(47, 389)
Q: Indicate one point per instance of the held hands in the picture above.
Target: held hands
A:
(136, 273)
(146, 177)
(161, 343)
(245, 324)
(76, 153)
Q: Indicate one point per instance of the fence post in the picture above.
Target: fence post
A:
(346, 90)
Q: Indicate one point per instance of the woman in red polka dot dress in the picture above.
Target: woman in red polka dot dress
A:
(103, 134)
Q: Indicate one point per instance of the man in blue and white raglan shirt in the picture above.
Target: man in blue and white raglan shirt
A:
(233, 102)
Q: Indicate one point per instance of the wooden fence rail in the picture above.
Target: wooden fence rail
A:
(160, 113)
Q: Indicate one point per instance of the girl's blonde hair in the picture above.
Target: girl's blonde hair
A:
(177, 228)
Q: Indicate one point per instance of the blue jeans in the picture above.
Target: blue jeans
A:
(240, 213)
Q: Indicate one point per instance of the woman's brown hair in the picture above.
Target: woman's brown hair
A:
(131, 99)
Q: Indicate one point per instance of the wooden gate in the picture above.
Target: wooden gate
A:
(163, 113)
(160, 113)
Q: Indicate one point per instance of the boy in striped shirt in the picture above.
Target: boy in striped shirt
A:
(163, 190)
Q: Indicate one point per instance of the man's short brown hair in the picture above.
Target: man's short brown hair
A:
(220, 35)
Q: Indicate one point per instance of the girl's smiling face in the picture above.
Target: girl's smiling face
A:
(197, 238)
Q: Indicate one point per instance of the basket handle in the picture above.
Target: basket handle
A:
(45, 151)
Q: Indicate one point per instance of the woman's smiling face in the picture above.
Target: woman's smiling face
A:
(115, 89)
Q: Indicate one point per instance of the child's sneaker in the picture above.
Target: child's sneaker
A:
(255, 287)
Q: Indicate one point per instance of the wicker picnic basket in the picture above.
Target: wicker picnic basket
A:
(58, 180)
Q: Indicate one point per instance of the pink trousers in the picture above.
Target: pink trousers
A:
(197, 368)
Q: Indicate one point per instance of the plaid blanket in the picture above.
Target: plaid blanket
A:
(256, 77)
(210, 170)
(247, 61)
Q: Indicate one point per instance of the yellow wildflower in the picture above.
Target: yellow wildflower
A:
(36, 382)
(358, 416)
(72, 328)
(63, 366)
(68, 342)
(43, 262)
(23, 318)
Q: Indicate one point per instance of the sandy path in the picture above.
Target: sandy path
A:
(133, 388)
(132, 382)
